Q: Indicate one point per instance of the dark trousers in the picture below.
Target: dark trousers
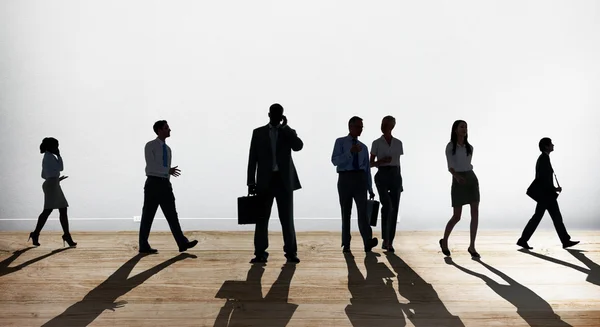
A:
(552, 206)
(159, 192)
(285, 205)
(389, 186)
(353, 185)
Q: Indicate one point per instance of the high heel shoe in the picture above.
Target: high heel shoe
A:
(473, 253)
(446, 252)
(67, 238)
(34, 238)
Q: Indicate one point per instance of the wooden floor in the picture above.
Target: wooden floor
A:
(103, 282)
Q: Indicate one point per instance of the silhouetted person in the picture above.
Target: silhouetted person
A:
(103, 297)
(530, 306)
(374, 301)
(388, 179)
(351, 159)
(546, 194)
(158, 190)
(54, 198)
(424, 307)
(272, 175)
(245, 305)
(465, 185)
(4, 265)
(592, 271)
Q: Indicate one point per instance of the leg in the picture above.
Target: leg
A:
(386, 210)
(285, 206)
(533, 223)
(557, 219)
(360, 198)
(345, 197)
(451, 223)
(43, 217)
(395, 208)
(151, 202)
(167, 205)
(64, 221)
(261, 229)
(474, 224)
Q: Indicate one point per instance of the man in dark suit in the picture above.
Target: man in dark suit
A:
(272, 175)
(543, 191)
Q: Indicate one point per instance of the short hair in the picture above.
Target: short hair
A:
(354, 120)
(47, 144)
(389, 118)
(544, 142)
(159, 125)
(276, 108)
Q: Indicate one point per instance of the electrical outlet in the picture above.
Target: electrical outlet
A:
(137, 219)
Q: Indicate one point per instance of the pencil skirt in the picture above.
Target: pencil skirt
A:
(54, 198)
(465, 193)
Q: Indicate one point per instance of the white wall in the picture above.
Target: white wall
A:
(97, 74)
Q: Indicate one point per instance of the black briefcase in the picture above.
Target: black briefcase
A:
(250, 209)
(372, 211)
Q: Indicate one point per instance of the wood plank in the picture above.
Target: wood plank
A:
(103, 282)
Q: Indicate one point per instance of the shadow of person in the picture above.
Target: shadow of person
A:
(425, 308)
(592, 272)
(374, 301)
(530, 306)
(245, 305)
(4, 265)
(103, 297)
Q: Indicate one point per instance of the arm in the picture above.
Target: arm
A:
(368, 169)
(60, 167)
(252, 160)
(373, 155)
(340, 157)
(152, 163)
(292, 137)
(449, 159)
(544, 172)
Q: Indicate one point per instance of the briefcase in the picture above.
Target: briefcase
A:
(251, 208)
(537, 193)
(372, 211)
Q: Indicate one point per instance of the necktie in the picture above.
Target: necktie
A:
(355, 157)
(165, 159)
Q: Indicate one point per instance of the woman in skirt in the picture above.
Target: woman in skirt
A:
(465, 185)
(54, 198)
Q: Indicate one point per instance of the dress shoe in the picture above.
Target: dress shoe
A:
(292, 258)
(524, 245)
(148, 251)
(187, 246)
(371, 244)
(569, 244)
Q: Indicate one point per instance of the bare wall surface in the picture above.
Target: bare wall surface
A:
(97, 74)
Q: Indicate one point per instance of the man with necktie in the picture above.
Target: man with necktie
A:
(351, 159)
(272, 175)
(158, 190)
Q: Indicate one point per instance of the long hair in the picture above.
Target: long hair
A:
(454, 138)
(48, 143)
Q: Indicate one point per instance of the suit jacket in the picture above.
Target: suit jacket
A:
(542, 187)
(260, 161)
